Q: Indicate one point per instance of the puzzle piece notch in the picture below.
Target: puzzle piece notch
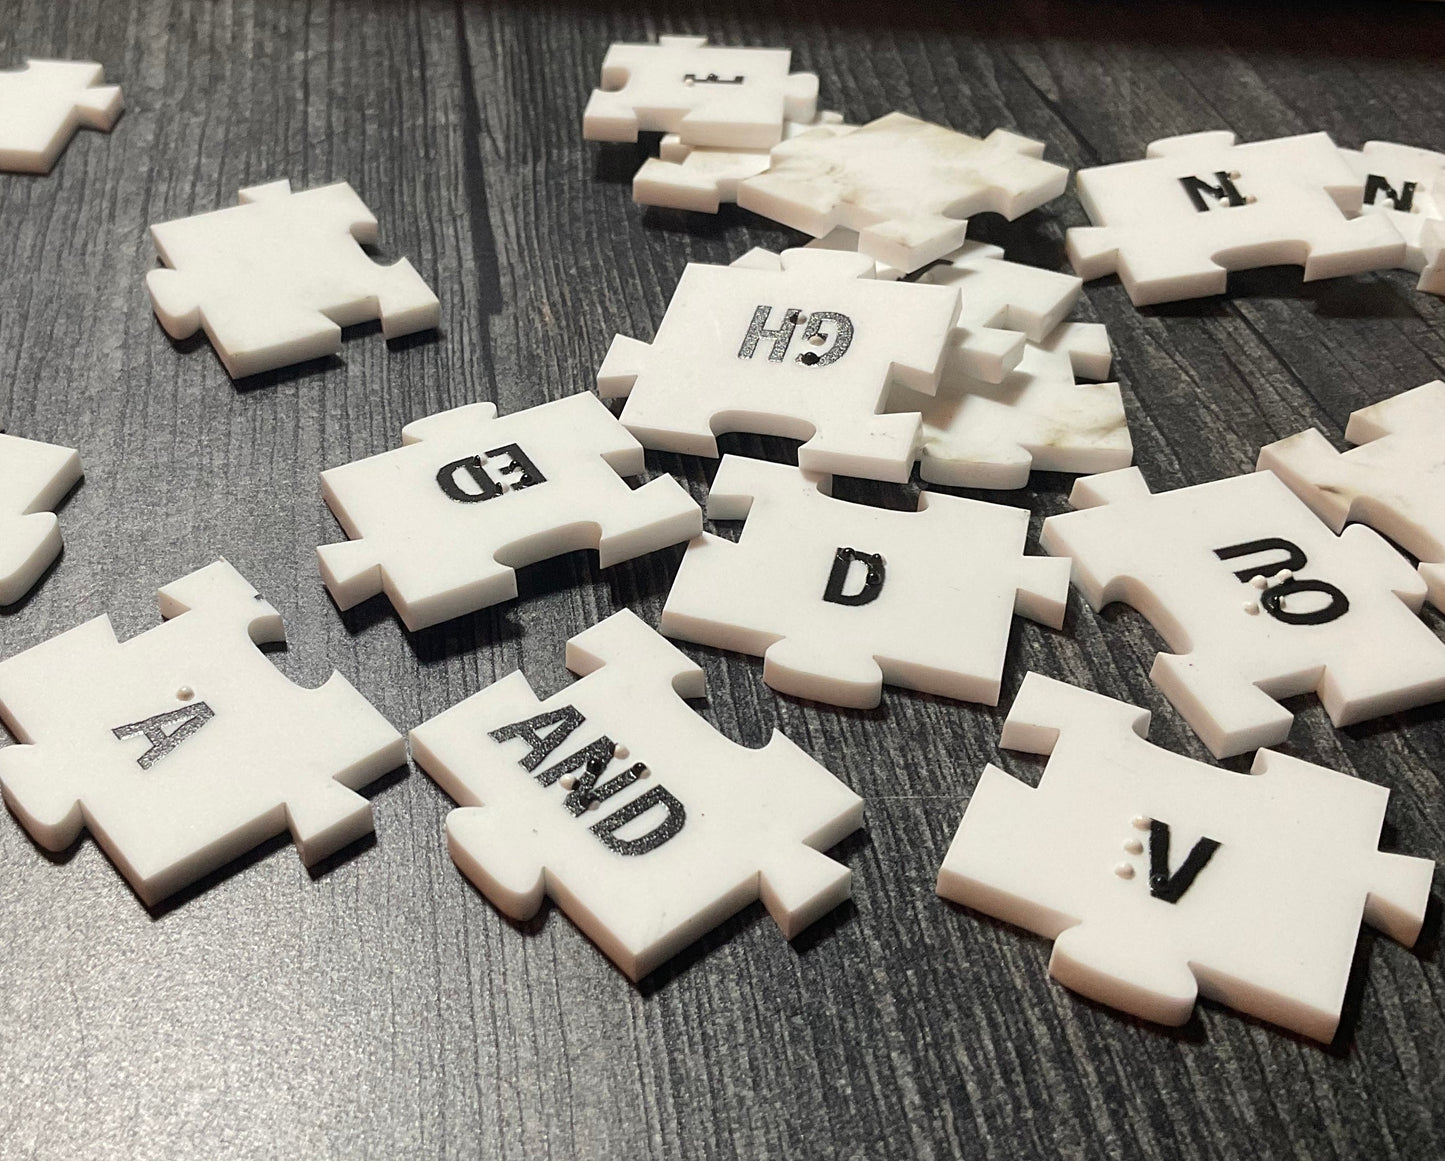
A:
(43, 104)
(274, 279)
(646, 826)
(1404, 184)
(839, 598)
(34, 478)
(184, 747)
(441, 524)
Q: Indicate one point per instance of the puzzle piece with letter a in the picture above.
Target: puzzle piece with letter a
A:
(1259, 600)
(642, 822)
(34, 477)
(1173, 225)
(1161, 879)
(1406, 186)
(904, 185)
(441, 523)
(1394, 481)
(184, 747)
(44, 103)
(708, 95)
(839, 598)
(273, 280)
(804, 344)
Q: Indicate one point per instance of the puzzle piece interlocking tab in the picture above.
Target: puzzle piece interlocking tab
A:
(617, 800)
(34, 477)
(43, 104)
(1160, 879)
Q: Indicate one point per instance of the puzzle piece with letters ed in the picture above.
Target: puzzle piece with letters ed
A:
(44, 103)
(34, 478)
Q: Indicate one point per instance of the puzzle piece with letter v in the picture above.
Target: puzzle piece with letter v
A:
(44, 103)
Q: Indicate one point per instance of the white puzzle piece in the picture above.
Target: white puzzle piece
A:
(184, 747)
(1432, 247)
(729, 97)
(1173, 225)
(273, 280)
(846, 240)
(804, 344)
(1394, 481)
(839, 598)
(34, 478)
(441, 523)
(904, 185)
(1161, 879)
(1258, 601)
(44, 103)
(642, 822)
(1404, 184)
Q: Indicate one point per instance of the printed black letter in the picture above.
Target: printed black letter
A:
(872, 583)
(162, 740)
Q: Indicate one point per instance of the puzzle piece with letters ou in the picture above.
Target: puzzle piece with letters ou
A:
(441, 523)
(1173, 225)
(184, 747)
(708, 95)
(1394, 481)
(1405, 185)
(839, 598)
(904, 185)
(804, 344)
(642, 822)
(44, 103)
(1160, 879)
(1258, 598)
(273, 280)
(34, 477)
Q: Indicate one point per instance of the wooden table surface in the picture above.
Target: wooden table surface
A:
(379, 1006)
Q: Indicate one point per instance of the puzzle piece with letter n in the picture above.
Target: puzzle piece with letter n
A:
(1259, 600)
(1394, 481)
(708, 95)
(1405, 185)
(839, 598)
(34, 477)
(184, 747)
(645, 825)
(44, 103)
(1173, 225)
(274, 279)
(441, 523)
(1160, 879)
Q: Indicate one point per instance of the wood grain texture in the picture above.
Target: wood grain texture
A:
(380, 1007)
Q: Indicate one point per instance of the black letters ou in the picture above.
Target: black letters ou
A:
(520, 472)
(1272, 600)
(838, 577)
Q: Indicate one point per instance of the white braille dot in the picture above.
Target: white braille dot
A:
(619, 751)
(593, 805)
(1280, 577)
(817, 340)
(1124, 871)
(1134, 847)
(185, 693)
(643, 771)
(1139, 822)
(1258, 581)
(1250, 200)
(567, 781)
(1251, 607)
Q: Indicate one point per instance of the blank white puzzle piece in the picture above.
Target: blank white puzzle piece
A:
(1406, 186)
(1258, 600)
(729, 97)
(839, 598)
(642, 822)
(273, 280)
(1160, 879)
(34, 478)
(1173, 225)
(184, 747)
(441, 523)
(44, 103)
(904, 185)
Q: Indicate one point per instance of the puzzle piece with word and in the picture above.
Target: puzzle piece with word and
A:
(34, 478)
(44, 103)
(804, 344)
(708, 95)
(838, 598)
(617, 800)
(184, 748)
(1161, 879)
(273, 280)
(904, 185)
(1405, 185)
(1259, 600)
(441, 523)
(1173, 225)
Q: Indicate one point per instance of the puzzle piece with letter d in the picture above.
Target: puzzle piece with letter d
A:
(839, 598)
(441, 523)
(183, 748)
(1161, 879)
(44, 103)
(1259, 600)
(34, 477)
(645, 825)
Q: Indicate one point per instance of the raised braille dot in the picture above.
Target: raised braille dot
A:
(1139, 822)
(1251, 607)
(619, 751)
(185, 693)
(1124, 870)
(1134, 847)
(567, 781)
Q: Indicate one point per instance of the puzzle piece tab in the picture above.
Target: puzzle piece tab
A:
(44, 103)
(645, 825)
(273, 280)
(1160, 879)
(839, 598)
(34, 477)
(441, 523)
(1405, 185)
(184, 747)
(1173, 225)
(1258, 599)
